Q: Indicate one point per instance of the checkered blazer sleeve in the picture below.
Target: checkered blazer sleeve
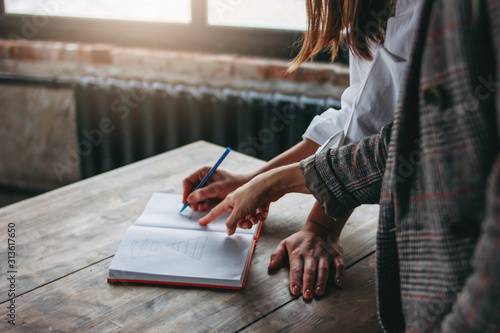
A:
(342, 179)
(477, 308)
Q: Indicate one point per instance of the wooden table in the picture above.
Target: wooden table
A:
(65, 241)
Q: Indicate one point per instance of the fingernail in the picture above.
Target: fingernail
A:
(308, 294)
(319, 291)
(338, 282)
(296, 290)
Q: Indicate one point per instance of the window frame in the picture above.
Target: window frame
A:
(271, 43)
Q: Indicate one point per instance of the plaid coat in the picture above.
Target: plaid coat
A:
(435, 171)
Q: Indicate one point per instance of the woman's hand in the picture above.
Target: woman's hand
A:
(224, 182)
(311, 251)
(218, 187)
(249, 203)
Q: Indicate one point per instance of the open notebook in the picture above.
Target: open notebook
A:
(164, 246)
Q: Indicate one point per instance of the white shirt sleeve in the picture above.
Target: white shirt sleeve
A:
(370, 101)
(333, 121)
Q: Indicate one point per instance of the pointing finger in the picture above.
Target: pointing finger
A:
(218, 211)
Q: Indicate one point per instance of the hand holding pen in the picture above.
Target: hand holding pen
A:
(188, 181)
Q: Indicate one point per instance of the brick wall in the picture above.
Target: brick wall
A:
(75, 60)
(37, 125)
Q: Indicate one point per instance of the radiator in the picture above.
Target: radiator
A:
(125, 121)
(121, 121)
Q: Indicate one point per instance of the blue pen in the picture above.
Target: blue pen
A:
(209, 174)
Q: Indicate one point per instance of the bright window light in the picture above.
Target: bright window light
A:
(176, 11)
(274, 14)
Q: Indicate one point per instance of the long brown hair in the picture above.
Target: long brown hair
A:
(330, 22)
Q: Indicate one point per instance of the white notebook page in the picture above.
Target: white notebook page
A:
(166, 246)
(181, 256)
(163, 209)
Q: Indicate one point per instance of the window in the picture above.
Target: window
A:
(274, 14)
(269, 28)
(178, 11)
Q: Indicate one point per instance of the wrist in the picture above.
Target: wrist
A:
(333, 224)
(286, 179)
(246, 177)
(251, 175)
(321, 229)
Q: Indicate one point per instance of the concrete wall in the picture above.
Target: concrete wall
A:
(36, 124)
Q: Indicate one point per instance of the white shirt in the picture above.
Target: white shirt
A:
(370, 101)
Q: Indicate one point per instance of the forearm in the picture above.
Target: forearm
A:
(333, 225)
(280, 181)
(257, 193)
(303, 149)
(342, 179)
